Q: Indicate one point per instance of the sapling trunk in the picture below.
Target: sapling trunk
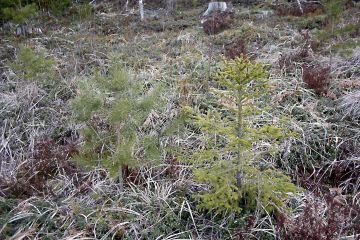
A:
(238, 134)
(118, 142)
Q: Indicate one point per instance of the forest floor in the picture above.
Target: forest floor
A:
(44, 195)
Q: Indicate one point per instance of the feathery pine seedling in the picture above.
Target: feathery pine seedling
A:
(54, 6)
(34, 67)
(238, 135)
(17, 13)
(113, 108)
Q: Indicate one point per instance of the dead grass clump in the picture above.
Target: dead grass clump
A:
(293, 9)
(172, 168)
(311, 180)
(49, 159)
(346, 173)
(131, 3)
(236, 49)
(316, 77)
(241, 234)
(130, 176)
(340, 174)
(349, 105)
(348, 84)
(217, 22)
(7, 53)
(321, 219)
(289, 61)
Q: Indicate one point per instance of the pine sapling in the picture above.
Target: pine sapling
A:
(238, 134)
(112, 110)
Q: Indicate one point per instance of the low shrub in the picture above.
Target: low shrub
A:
(288, 62)
(217, 22)
(293, 9)
(316, 77)
(236, 49)
(320, 220)
(49, 159)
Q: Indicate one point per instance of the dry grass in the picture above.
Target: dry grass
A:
(158, 205)
(349, 105)
(322, 218)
